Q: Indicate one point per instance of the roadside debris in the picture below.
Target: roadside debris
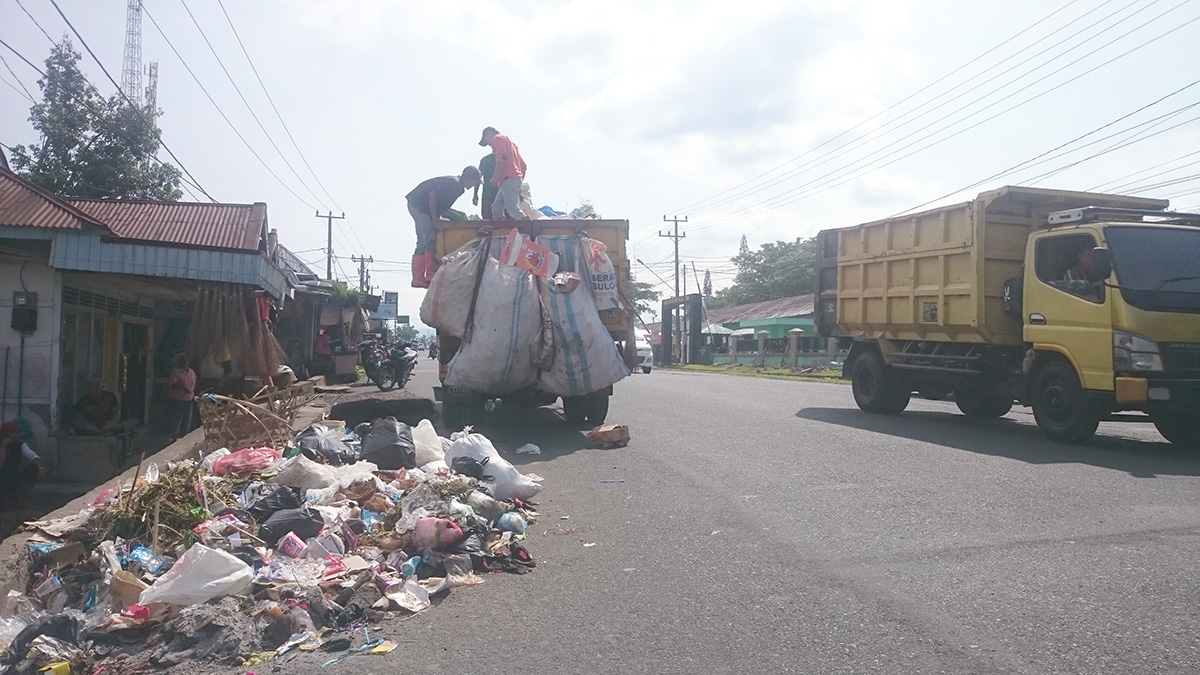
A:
(610, 435)
(247, 556)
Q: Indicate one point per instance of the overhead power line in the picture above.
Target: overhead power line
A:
(118, 87)
(35, 21)
(18, 79)
(228, 121)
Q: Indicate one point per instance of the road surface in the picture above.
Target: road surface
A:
(769, 526)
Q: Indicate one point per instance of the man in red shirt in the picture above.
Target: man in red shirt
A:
(510, 173)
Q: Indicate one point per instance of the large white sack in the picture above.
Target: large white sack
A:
(447, 303)
(509, 482)
(586, 359)
(498, 359)
(202, 574)
(601, 274)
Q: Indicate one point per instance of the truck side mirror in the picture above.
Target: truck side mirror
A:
(1102, 265)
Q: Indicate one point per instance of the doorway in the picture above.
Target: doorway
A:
(134, 372)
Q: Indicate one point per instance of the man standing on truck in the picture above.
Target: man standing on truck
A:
(426, 203)
(487, 168)
(510, 174)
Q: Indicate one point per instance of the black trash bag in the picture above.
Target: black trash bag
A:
(303, 522)
(60, 626)
(389, 445)
(471, 467)
(280, 498)
(322, 444)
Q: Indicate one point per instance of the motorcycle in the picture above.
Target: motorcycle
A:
(398, 368)
(371, 355)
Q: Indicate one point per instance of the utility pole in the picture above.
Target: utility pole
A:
(364, 276)
(329, 242)
(675, 237)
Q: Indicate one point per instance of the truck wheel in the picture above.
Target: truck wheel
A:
(1061, 407)
(597, 408)
(877, 387)
(1182, 430)
(575, 409)
(974, 403)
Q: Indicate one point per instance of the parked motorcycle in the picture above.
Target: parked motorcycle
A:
(371, 355)
(398, 368)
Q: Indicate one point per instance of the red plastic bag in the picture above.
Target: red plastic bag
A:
(250, 460)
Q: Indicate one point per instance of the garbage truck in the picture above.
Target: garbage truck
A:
(532, 335)
(1083, 306)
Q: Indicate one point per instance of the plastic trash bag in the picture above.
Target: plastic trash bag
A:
(435, 533)
(602, 275)
(302, 473)
(427, 442)
(250, 460)
(304, 522)
(211, 459)
(586, 359)
(277, 499)
(508, 482)
(200, 575)
(389, 445)
(447, 303)
(323, 444)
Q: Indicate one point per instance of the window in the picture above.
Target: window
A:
(1065, 263)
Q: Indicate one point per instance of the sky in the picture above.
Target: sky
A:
(771, 119)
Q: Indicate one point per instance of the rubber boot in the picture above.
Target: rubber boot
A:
(419, 276)
(430, 267)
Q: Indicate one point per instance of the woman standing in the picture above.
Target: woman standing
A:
(181, 392)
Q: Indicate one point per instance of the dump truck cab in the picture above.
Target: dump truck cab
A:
(1114, 293)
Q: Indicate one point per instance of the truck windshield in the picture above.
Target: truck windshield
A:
(1158, 268)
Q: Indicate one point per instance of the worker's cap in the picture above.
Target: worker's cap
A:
(472, 172)
(10, 429)
(483, 140)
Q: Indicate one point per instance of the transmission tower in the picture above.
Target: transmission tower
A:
(152, 88)
(131, 71)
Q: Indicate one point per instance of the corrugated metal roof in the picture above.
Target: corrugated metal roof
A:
(796, 305)
(23, 204)
(229, 226)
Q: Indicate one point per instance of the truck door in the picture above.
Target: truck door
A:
(1067, 310)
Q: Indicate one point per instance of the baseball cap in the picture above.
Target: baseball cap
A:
(483, 137)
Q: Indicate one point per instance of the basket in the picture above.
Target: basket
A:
(234, 423)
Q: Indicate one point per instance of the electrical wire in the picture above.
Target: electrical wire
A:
(35, 22)
(232, 126)
(118, 87)
(276, 109)
(10, 72)
(19, 92)
(247, 103)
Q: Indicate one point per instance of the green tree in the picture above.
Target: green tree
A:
(643, 296)
(775, 270)
(92, 146)
(707, 287)
(406, 332)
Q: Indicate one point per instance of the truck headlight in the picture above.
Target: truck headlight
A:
(1134, 353)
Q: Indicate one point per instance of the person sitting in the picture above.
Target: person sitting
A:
(1080, 279)
(95, 414)
(20, 466)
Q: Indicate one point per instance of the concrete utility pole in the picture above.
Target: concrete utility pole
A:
(364, 275)
(329, 242)
(676, 236)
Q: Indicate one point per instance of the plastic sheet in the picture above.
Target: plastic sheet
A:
(427, 443)
(200, 575)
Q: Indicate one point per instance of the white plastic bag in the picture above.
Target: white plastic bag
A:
(200, 575)
(428, 443)
(304, 474)
(211, 459)
(602, 275)
(586, 359)
(447, 303)
(499, 357)
(509, 482)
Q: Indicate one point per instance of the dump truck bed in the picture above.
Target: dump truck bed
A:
(939, 275)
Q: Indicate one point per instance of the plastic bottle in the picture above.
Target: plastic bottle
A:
(409, 567)
(147, 559)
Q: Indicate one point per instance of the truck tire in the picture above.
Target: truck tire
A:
(878, 388)
(1180, 429)
(575, 409)
(597, 408)
(1061, 407)
(974, 403)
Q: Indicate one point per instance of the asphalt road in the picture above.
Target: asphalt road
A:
(768, 526)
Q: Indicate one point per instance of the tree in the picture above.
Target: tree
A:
(92, 146)
(643, 296)
(707, 287)
(406, 332)
(775, 270)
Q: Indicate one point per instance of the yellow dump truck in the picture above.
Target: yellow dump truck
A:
(1083, 306)
(462, 405)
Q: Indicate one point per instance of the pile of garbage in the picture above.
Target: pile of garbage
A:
(244, 556)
